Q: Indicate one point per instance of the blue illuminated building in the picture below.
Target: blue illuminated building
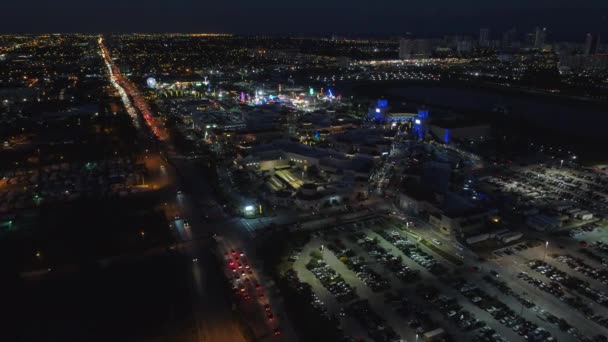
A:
(420, 124)
(379, 111)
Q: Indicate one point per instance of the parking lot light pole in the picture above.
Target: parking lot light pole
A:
(416, 337)
(546, 247)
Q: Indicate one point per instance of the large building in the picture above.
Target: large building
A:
(405, 48)
(592, 44)
(378, 111)
(509, 38)
(414, 48)
(540, 36)
(446, 130)
(580, 62)
(484, 37)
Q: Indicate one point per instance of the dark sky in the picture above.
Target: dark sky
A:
(564, 18)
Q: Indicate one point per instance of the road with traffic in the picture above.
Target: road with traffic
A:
(196, 215)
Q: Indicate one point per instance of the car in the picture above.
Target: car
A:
(270, 316)
(437, 242)
(267, 307)
(262, 296)
(277, 332)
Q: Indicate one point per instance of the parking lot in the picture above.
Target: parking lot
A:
(563, 282)
(374, 276)
(541, 186)
(392, 281)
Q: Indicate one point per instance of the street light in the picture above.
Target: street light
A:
(546, 247)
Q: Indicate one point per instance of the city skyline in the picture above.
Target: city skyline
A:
(292, 172)
(272, 17)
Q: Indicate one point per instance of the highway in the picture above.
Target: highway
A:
(195, 215)
(130, 96)
(213, 317)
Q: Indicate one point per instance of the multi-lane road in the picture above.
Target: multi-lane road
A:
(196, 216)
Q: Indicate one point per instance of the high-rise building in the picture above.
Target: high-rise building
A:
(592, 43)
(539, 37)
(422, 48)
(484, 37)
(405, 48)
(414, 48)
(509, 37)
(464, 46)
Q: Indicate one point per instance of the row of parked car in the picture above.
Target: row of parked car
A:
(331, 280)
(410, 249)
(601, 246)
(502, 312)
(579, 265)
(571, 282)
(449, 307)
(381, 255)
(305, 290)
(583, 229)
(504, 288)
(376, 326)
(359, 266)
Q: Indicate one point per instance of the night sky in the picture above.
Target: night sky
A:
(565, 19)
